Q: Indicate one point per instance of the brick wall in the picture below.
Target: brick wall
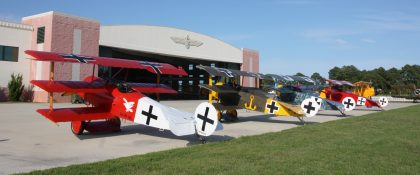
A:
(251, 63)
(59, 37)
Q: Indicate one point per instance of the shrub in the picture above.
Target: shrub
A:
(28, 93)
(15, 87)
(3, 94)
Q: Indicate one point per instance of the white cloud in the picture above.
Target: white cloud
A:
(328, 33)
(367, 40)
(341, 41)
(9, 18)
(391, 21)
(297, 2)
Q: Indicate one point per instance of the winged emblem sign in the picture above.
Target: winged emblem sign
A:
(187, 41)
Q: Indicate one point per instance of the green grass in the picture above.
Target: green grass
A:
(379, 143)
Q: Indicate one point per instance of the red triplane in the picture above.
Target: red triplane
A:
(111, 101)
(350, 100)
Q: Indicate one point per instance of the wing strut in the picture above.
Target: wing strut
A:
(158, 82)
(51, 81)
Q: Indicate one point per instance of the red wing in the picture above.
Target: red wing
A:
(340, 82)
(152, 88)
(370, 103)
(161, 68)
(75, 114)
(70, 86)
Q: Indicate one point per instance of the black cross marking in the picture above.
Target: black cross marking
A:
(316, 99)
(361, 101)
(348, 103)
(79, 58)
(309, 108)
(155, 66)
(272, 107)
(227, 72)
(205, 119)
(149, 115)
(382, 101)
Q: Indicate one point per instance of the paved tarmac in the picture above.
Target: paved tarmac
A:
(30, 142)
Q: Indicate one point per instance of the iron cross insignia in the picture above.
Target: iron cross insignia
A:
(79, 58)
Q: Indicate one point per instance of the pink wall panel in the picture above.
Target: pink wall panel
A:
(251, 63)
(59, 38)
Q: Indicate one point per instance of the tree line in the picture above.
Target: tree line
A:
(392, 81)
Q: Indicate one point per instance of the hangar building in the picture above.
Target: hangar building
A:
(63, 33)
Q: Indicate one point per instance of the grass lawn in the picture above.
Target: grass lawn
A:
(379, 143)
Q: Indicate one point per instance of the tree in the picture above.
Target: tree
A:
(15, 86)
(317, 77)
(391, 80)
(349, 73)
(299, 74)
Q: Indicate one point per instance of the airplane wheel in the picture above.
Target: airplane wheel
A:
(77, 127)
(115, 123)
(232, 113)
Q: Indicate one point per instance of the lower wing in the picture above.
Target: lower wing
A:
(75, 114)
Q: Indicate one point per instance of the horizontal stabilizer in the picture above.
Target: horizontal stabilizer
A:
(292, 108)
(75, 114)
(70, 86)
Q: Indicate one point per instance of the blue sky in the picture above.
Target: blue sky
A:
(291, 35)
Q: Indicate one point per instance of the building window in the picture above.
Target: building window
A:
(190, 82)
(190, 67)
(190, 76)
(180, 86)
(40, 35)
(201, 76)
(213, 65)
(201, 81)
(8, 53)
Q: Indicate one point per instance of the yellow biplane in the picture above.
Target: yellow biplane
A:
(364, 89)
(227, 96)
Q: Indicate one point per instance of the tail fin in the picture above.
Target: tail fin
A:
(206, 121)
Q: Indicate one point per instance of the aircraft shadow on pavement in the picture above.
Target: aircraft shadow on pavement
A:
(267, 119)
(338, 115)
(368, 109)
(145, 130)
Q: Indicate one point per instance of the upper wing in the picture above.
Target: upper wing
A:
(75, 114)
(215, 71)
(152, 88)
(157, 68)
(282, 78)
(218, 89)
